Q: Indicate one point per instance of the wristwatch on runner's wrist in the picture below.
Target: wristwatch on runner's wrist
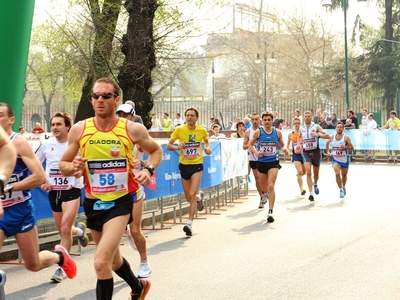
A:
(150, 169)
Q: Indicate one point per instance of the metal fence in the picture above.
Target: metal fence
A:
(224, 110)
(227, 110)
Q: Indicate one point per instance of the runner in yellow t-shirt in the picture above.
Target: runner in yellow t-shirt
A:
(190, 138)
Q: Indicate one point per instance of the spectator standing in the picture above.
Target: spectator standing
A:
(247, 123)
(277, 122)
(298, 115)
(334, 119)
(353, 118)
(321, 121)
(393, 123)
(328, 123)
(166, 122)
(212, 118)
(234, 125)
(317, 116)
(364, 119)
(240, 131)
(216, 133)
(138, 119)
(155, 123)
(350, 125)
(38, 128)
(372, 125)
(178, 121)
(343, 118)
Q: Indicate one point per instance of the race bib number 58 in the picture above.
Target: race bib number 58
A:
(108, 175)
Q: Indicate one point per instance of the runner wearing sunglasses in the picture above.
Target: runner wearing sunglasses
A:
(106, 143)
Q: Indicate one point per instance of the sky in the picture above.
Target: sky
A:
(219, 20)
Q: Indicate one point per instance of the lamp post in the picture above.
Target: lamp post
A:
(328, 4)
(213, 87)
(264, 75)
(265, 78)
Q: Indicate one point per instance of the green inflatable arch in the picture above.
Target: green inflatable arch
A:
(15, 31)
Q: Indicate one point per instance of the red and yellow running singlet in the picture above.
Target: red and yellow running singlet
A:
(108, 172)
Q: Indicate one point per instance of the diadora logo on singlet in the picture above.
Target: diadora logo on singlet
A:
(104, 142)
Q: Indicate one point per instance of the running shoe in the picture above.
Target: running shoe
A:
(68, 265)
(264, 197)
(311, 198)
(83, 239)
(302, 191)
(249, 179)
(3, 278)
(58, 276)
(144, 270)
(341, 193)
(344, 190)
(316, 189)
(200, 198)
(145, 289)
(188, 230)
(261, 204)
(270, 218)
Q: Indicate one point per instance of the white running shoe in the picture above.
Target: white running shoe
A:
(144, 270)
(58, 275)
(263, 200)
(200, 198)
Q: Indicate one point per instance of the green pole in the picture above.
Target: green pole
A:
(346, 61)
(15, 32)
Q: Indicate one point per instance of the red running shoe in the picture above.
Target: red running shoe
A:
(145, 289)
(69, 266)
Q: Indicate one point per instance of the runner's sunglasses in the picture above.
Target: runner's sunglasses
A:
(104, 95)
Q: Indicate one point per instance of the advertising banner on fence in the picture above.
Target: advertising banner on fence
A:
(212, 172)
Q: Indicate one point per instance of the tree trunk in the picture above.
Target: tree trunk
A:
(104, 22)
(138, 47)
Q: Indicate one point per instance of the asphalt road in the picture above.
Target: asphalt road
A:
(330, 249)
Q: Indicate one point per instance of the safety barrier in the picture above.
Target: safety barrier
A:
(223, 177)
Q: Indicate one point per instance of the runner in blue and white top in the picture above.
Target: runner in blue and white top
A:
(311, 133)
(19, 212)
(341, 143)
(268, 140)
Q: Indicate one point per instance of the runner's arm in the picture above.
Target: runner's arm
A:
(322, 133)
(7, 149)
(70, 164)
(37, 176)
(350, 145)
